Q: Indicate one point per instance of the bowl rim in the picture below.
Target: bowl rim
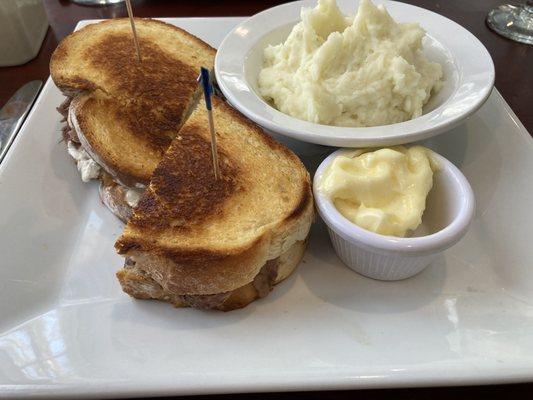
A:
(472, 88)
(432, 243)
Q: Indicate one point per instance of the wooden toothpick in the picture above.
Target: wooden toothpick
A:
(205, 81)
(134, 30)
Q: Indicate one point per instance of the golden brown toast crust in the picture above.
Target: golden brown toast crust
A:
(184, 187)
(154, 93)
(208, 259)
(137, 283)
(70, 82)
(149, 100)
(198, 271)
(212, 236)
(185, 191)
(129, 156)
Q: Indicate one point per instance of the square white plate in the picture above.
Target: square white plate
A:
(66, 327)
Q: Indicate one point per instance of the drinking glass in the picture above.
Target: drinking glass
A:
(513, 22)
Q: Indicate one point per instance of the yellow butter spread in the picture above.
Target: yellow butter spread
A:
(383, 191)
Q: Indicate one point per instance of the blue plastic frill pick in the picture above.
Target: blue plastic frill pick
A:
(205, 81)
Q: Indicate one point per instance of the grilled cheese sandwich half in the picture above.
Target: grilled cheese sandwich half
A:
(120, 113)
(218, 244)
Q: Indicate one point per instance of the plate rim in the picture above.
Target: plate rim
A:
(119, 390)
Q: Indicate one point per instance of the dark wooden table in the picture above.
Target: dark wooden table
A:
(514, 79)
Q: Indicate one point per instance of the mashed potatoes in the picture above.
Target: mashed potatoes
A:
(332, 70)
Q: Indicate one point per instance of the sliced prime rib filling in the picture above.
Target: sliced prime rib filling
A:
(146, 287)
(67, 131)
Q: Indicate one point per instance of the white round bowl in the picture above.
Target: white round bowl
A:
(467, 66)
(449, 212)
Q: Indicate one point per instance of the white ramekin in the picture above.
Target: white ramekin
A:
(449, 212)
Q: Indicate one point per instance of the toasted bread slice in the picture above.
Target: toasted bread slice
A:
(102, 56)
(195, 235)
(128, 112)
(137, 283)
(111, 137)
